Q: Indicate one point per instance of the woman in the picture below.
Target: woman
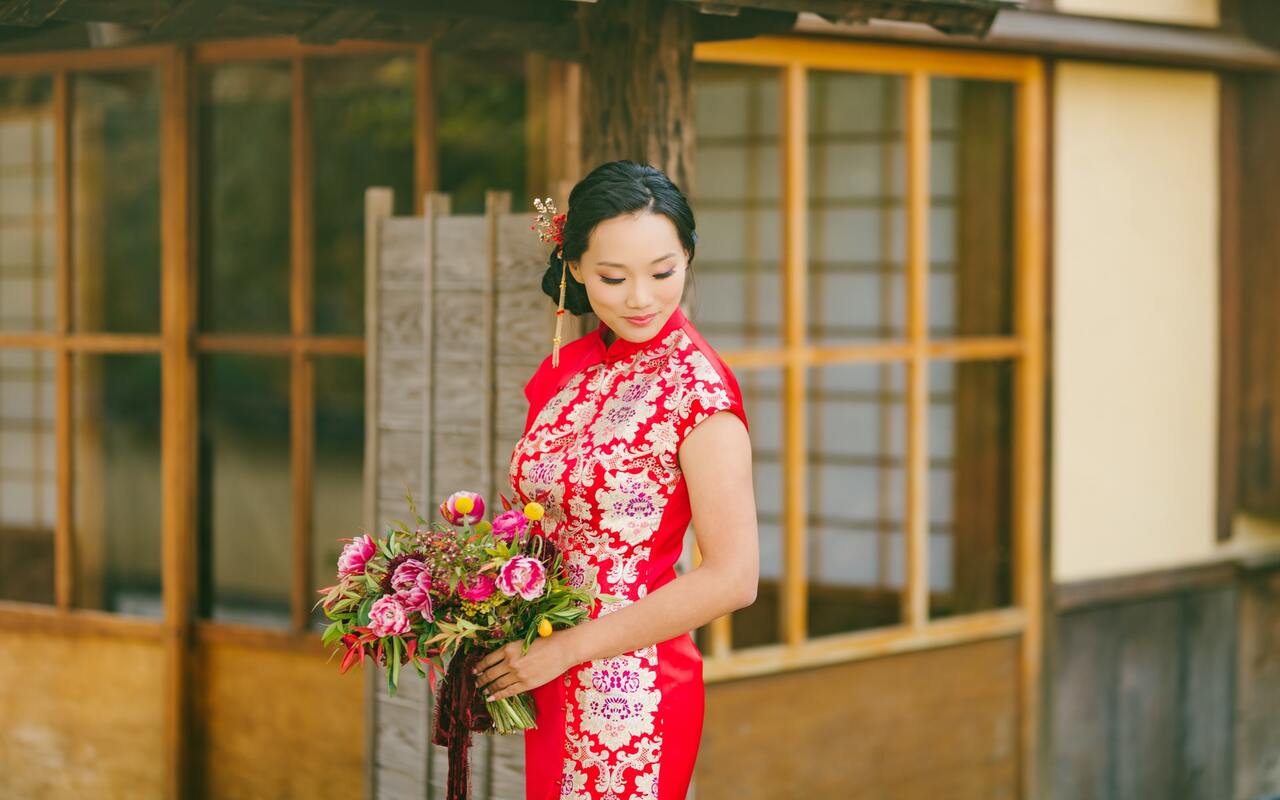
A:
(639, 428)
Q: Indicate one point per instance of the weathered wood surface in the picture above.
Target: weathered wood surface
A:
(933, 724)
(1257, 746)
(547, 25)
(460, 324)
(1143, 696)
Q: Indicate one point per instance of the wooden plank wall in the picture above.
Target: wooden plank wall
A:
(938, 723)
(456, 324)
(1258, 696)
(1144, 688)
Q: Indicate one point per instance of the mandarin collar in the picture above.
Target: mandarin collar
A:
(621, 348)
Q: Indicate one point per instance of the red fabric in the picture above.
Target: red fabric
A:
(600, 452)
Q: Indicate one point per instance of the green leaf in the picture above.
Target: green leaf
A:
(362, 617)
(332, 633)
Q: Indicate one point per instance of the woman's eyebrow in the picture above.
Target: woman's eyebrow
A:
(624, 266)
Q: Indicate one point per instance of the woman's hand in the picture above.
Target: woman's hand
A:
(507, 672)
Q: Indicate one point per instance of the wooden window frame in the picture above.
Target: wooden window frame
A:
(180, 347)
(794, 57)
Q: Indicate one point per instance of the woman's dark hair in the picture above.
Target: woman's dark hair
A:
(612, 189)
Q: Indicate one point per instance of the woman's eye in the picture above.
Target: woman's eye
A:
(659, 276)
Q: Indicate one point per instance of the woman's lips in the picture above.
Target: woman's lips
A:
(640, 320)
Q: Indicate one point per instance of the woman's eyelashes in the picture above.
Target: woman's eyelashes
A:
(660, 276)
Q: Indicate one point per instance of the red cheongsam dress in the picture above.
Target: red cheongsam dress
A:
(600, 453)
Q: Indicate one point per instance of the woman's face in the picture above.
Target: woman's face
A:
(634, 269)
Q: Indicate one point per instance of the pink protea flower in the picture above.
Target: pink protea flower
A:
(388, 617)
(524, 576)
(476, 588)
(412, 584)
(456, 515)
(510, 525)
(356, 555)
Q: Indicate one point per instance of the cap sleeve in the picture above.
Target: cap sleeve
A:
(709, 386)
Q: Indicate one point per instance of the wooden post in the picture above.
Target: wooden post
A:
(178, 423)
(640, 50)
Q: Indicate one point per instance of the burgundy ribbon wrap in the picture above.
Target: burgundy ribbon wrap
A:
(460, 710)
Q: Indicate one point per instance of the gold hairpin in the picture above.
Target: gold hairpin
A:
(550, 228)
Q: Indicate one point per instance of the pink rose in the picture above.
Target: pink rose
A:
(388, 617)
(355, 555)
(510, 525)
(476, 588)
(449, 509)
(412, 585)
(522, 575)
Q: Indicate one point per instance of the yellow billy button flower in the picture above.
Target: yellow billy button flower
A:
(544, 627)
(463, 505)
(534, 511)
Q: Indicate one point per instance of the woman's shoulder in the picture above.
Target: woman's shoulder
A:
(706, 362)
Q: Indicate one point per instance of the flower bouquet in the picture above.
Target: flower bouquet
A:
(438, 597)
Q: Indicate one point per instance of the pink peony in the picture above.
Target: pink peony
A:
(522, 575)
(388, 617)
(449, 509)
(355, 555)
(412, 585)
(476, 588)
(510, 525)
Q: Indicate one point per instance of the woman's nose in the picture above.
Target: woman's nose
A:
(639, 296)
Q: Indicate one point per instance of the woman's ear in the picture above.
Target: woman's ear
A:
(573, 270)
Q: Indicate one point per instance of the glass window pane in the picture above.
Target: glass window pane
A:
(857, 487)
(480, 126)
(362, 118)
(116, 480)
(245, 505)
(971, 171)
(737, 290)
(28, 476)
(115, 224)
(970, 486)
(27, 222)
(857, 217)
(762, 398)
(338, 493)
(244, 197)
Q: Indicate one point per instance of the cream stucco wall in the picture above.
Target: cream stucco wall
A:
(1181, 12)
(1135, 319)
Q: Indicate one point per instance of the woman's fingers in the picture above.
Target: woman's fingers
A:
(493, 674)
(511, 689)
(490, 660)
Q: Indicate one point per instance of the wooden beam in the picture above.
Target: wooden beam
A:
(337, 24)
(425, 151)
(1072, 36)
(28, 13)
(915, 597)
(302, 367)
(1230, 342)
(188, 19)
(178, 421)
(1030, 541)
(62, 552)
(795, 193)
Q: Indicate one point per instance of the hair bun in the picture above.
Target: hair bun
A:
(575, 293)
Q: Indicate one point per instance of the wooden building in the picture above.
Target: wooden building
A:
(998, 281)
